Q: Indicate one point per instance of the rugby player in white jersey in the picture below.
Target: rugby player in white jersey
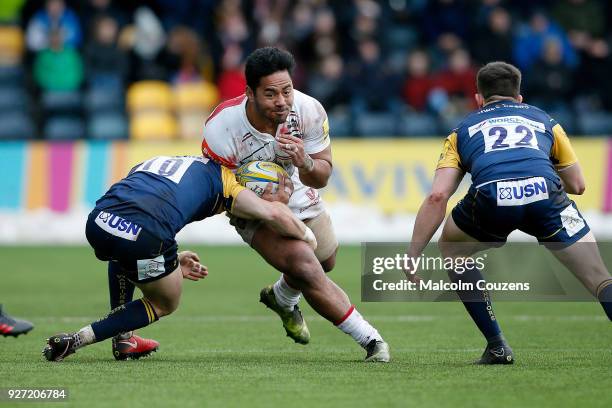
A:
(274, 122)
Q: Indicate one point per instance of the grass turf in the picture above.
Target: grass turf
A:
(223, 348)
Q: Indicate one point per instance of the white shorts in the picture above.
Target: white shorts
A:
(321, 226)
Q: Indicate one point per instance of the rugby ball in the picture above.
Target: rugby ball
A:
(256, 175)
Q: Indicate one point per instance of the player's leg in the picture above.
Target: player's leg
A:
(584, 261)
(121, 291)
(303, 272)
(456, 243)
(161, 298)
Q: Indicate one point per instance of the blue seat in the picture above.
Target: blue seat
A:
(11, 74)
(16, 125)
(596, 123)
(108, 126)
(61, 101)
(103, 100)
(376, 125)
(63, 128)
(13, 98)
(419, 124)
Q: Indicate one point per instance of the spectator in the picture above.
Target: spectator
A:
(106, 64)
(548, 84)
(231, 81)
(444, 17)
(457, 83)
(58, 68)
(494, 43)
(419, 81)
(367, 74)
(529, 44)
(55, 15)
(327, 83)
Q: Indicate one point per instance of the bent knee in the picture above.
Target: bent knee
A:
(164, 307)
(329, 263)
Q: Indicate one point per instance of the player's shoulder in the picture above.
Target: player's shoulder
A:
(228, 110)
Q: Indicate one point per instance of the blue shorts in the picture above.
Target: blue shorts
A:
(535, 205)
(143, 256)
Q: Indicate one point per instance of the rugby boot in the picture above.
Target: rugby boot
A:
(293, 321)
(377, 351)
(10, 326)
(130, 346)
(59, 346)
(499, 354)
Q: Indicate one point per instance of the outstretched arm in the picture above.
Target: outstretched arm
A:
(276, 215)
(432, 211)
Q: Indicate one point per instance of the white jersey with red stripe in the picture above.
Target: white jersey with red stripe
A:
(231, 140)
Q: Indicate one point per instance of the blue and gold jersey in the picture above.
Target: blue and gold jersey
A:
(163, 194)
(508, 140)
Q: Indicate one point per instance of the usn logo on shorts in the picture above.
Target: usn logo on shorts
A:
(521, 192)
(117, 226)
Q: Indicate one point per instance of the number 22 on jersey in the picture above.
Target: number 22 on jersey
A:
(508, 132)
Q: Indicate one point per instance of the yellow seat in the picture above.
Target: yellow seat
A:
(200, 96)
(191, 124)
(149, 95)
(11, 45)
(152, 126)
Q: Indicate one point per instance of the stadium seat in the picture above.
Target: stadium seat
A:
(11, 75)
(61, 101)
(340, 125)
(13, 98)
(99, 100)
(149, 95)
(16, 125)
(418, 124)
(376, 125)
(200, 96)
(63, 128)
(107, 126)
(191, 124)
(596, 123)
(11, 45)
(153, 125)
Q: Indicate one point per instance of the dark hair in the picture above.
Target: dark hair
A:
(266, 61)
(499, 78)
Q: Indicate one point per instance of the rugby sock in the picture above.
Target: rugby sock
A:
(120, 288)
(358, 328)
(478, 304)
(604, 295)
(131, 316)
(286, 296)
(84, 337)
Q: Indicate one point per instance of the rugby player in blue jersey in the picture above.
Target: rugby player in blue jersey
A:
(134, 226)
(522, 167)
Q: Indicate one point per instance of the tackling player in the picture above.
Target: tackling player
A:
(135, 223)
(274, 122)
(522, 167)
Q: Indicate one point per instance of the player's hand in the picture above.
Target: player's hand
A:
(294, 147)
(411, 273)
(191, 267)
(282, 193)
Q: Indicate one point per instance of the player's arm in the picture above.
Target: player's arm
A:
(312, 153)
(244, 203)
(566, 162)
(275, 214)
(449, 174)
(433, 210)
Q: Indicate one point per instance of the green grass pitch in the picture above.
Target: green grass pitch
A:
(224, 349)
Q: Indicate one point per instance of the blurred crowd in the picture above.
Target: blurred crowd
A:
(386, 67)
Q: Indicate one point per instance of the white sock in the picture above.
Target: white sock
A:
(286, 296)
(358, 328)
(84, 337)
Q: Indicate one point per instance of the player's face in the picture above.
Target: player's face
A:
(273, 98)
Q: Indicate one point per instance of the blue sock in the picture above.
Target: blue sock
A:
(131, 316)
(121, 290)
(478, 304)
(604, 295)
